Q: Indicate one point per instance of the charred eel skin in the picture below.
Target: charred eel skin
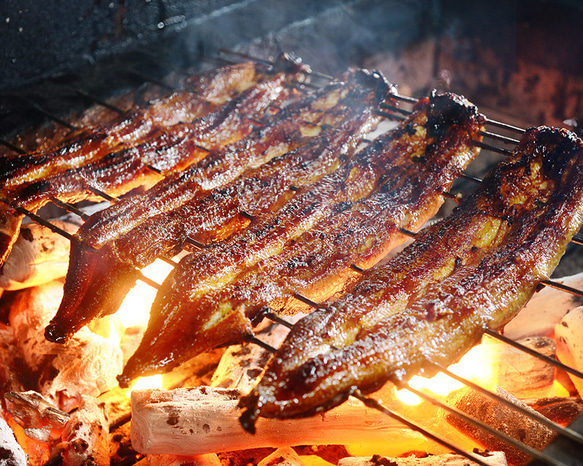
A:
(127, 235)
(430, 304)
(350, 216)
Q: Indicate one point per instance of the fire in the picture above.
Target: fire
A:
(135, 309)
(154, 381)
(559, 390)
(474, 366)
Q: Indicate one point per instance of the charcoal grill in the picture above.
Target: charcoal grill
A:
(49, 100)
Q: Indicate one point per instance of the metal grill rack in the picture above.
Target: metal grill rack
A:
(497, 143)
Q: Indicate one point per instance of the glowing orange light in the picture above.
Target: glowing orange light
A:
(135, 308)
(473, 366)
(559, 390)
(143, 383)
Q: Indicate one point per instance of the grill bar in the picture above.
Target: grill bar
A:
(41, 221)
(146, 78)
(492, 148)
(70, 208)
(12, 147)
(499, 137)
(506, 126)
(99, 101)
(100, 193)
(245, 56)
(565, 288)
(47, 114)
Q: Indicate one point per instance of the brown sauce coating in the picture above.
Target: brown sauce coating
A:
(134, 231)
(350, 216)
(474, 269)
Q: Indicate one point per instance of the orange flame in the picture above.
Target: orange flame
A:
(473, 366)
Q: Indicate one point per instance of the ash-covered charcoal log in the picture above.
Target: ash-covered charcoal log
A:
(302, 142)
(119, 161)
(38, 256)
(528, 430)
(86, 435)
(202, 420)
(432, 302)
(12, 452)
(350, 216)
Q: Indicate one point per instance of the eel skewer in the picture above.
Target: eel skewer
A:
(106, 249)
(351, 215)
(207, 93)
(473, 270)
(164, 134)
(169, 149)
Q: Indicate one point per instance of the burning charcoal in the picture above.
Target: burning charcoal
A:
(38, 256)
(521, 373)
(40, 419)
(41, 255)
(563, 411)
(86, 436)
(502, 418)
(282, 457)
(495, 458)
(87, 365)
(10, 377)
(545, 310)
(38, 453)
(11, 453)
(29, 310)
(569, 348)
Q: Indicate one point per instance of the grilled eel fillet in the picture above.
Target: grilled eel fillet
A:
(116, 170)
(350, 215)
(293, 127)
(431, 303)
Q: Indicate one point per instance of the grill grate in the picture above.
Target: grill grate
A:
(569, 434)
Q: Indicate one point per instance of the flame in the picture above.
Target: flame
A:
(559, 390)
(134, 312)
(143, 383)
(135, 308)
(474, 366)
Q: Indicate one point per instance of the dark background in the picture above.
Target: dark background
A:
(42, 39)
